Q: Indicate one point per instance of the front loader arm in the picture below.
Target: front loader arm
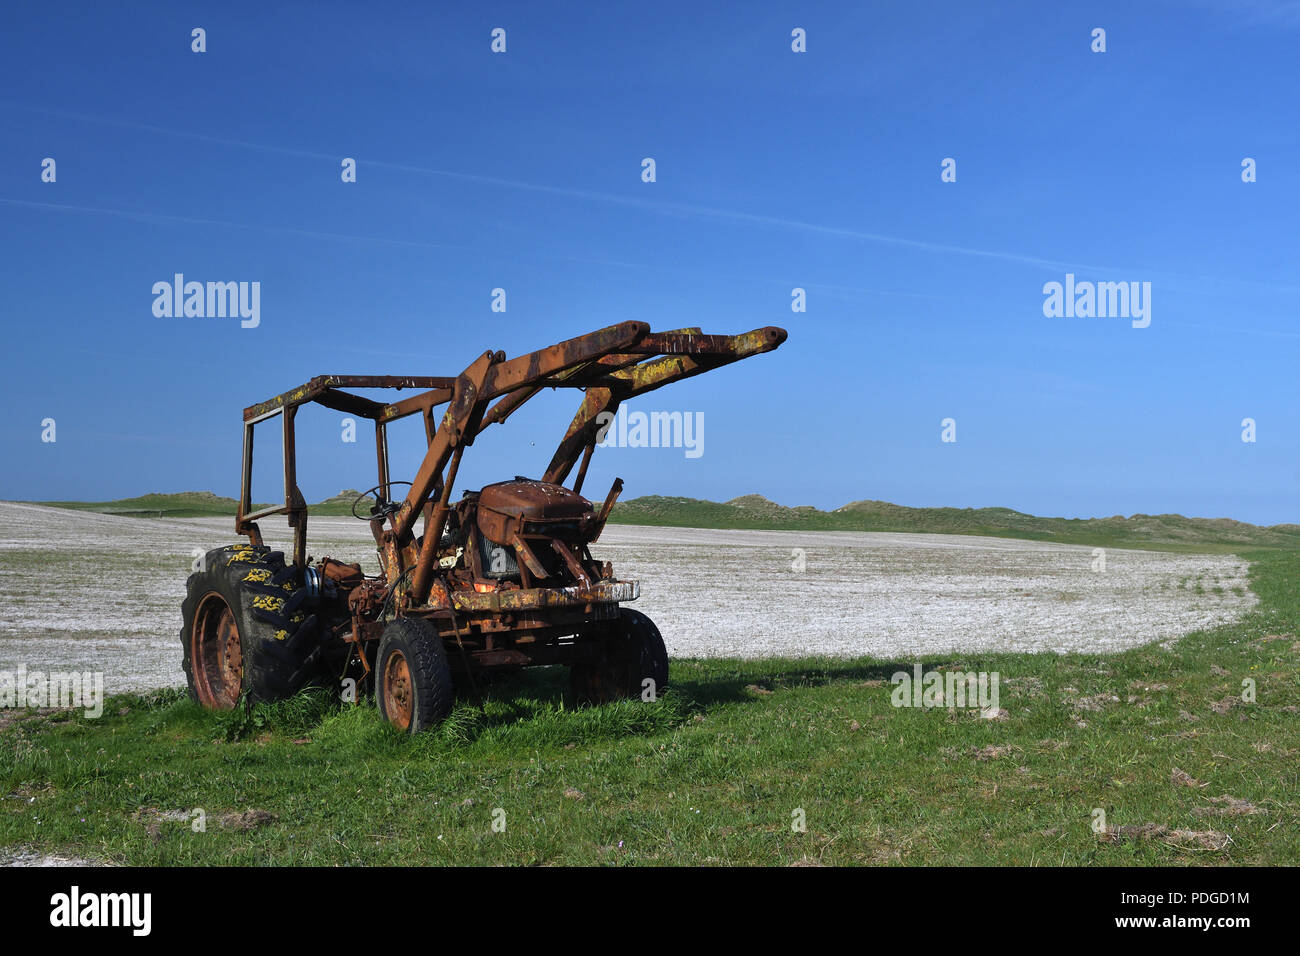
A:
(684, 354)
(610, 365)
(490, 377)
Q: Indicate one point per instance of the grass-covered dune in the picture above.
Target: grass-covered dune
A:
(1163, 532)
(1168, 531)
(1163, 742)
(191, 504)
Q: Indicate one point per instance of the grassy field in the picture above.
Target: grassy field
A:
(715, 772)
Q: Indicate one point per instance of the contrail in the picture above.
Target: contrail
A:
(684, 210)
(163, 217)
(661, 207)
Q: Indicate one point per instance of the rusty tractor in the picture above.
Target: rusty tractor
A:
(501, 579)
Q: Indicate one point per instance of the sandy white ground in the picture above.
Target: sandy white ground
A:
(27, 856)
(81, 591)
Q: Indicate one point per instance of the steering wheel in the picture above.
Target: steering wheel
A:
(382, 507)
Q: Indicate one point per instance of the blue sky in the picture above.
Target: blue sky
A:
(775, 170)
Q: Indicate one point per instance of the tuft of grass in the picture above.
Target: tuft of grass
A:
(296, 715)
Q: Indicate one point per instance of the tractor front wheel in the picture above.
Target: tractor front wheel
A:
(629, 662)
(412, 678)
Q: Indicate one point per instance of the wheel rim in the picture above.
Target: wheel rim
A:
(217, 653)
(399, 702)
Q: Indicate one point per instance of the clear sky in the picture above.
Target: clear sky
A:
(775, 170)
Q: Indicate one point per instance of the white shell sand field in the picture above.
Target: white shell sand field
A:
(83, 591)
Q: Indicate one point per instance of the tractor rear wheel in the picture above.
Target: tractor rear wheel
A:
(630, 662)
(412, 678)
(247, 629)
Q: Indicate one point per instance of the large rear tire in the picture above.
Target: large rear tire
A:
(631, 662)
(247, 628)
(412, 678)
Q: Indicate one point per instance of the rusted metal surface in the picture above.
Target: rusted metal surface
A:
(318, 386)
(504, 575)
(512, 508)
(609, 592)
(216, 653)
(399, 695)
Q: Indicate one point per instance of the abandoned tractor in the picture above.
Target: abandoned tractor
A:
(502, 578)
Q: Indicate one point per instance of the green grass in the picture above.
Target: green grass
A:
(712, 772)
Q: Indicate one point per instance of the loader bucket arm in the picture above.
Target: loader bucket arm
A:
(682, 354)
(489, 378)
